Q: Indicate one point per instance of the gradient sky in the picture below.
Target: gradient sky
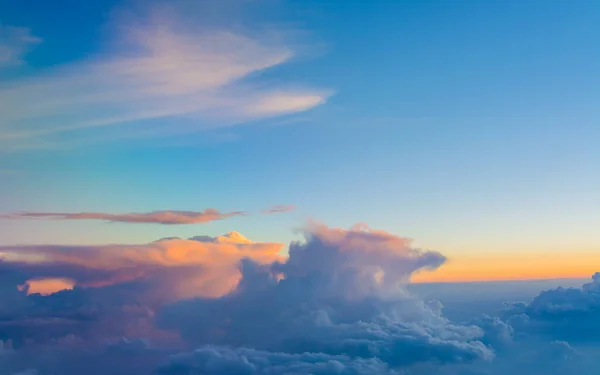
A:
(471, 128)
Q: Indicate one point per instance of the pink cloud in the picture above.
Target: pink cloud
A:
(177, 268)
(168, 217)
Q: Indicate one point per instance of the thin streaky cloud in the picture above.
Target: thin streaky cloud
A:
(166, 217)
(279, 209)
(15, 42)
(168, 70)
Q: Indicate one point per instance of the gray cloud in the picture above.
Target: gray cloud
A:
(211, 360)
(279, 209)
(570, 314)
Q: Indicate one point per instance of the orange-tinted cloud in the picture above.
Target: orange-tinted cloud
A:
(176, 268)
(46, 286)
(169, 217)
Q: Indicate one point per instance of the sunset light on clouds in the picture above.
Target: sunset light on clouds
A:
(232, 187)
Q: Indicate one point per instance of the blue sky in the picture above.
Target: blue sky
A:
(157, 158)
(471, 128)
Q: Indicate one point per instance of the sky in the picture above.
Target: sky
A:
(470, 128)
(276, 187)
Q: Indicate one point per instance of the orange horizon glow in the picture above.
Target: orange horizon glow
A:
(508, 267)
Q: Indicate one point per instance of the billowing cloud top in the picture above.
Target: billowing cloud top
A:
(338, 304)
(176, 268)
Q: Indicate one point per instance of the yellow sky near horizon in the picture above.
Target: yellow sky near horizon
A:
(509, 266)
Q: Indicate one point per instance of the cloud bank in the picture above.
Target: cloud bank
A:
(337, 304)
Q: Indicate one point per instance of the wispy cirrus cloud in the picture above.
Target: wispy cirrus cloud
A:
(279, 209)
(161, 76)
(167, 217)
(14, 44)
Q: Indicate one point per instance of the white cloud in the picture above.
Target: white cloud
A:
(200, 79)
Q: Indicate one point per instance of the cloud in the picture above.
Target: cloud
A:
(171, 268)
(279, 209)
(212, 360)
(339, 293)
(163, 76)
(15, 42)
(567, 314)
(116, 291)
(168, 217)
(338, 304)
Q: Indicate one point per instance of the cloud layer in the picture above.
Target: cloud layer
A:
(338, 304)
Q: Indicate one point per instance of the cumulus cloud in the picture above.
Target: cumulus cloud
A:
(339, 293)
(569, 314)
(176, 267)
(160, 67)
(337, 304)
(279, 209)
(15, 42)
(116, 291)
(530, 337)
(168, 217)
